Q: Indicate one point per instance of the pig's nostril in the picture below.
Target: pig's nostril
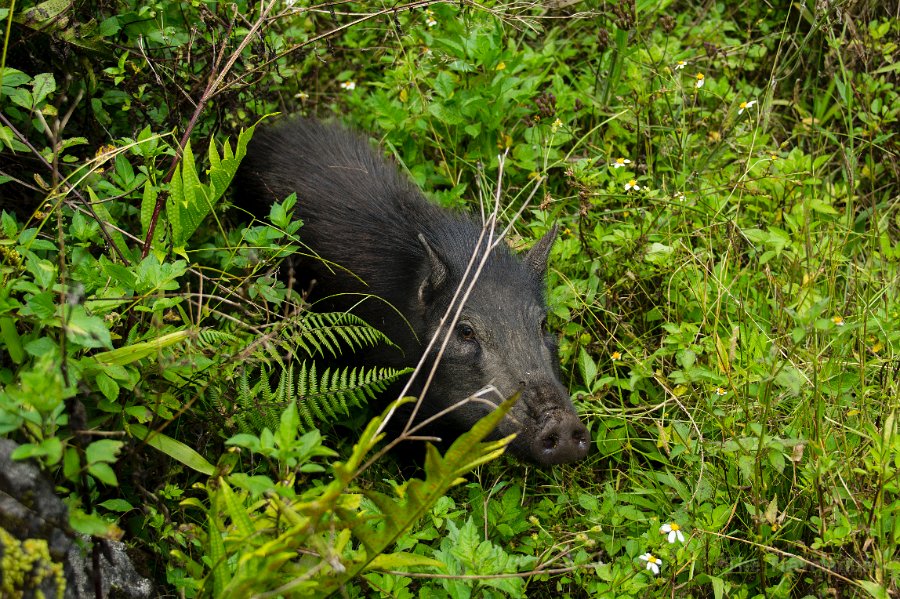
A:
(563, 439)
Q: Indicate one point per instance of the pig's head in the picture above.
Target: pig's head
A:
(500, 343)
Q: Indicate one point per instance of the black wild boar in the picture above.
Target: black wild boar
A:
(362, 214)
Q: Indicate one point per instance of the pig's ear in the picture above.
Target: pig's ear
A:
(437, 273)
(536, 258)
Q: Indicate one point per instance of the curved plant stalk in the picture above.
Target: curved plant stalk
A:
(314, 544)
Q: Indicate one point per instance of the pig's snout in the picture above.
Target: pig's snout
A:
(562, 439)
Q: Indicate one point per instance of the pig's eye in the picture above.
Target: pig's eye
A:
(544, 326)
(465, 332)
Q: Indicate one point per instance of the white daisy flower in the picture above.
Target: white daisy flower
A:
(745, 105)
(673, 531)
(653, 562)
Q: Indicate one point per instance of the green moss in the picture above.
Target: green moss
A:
(27, 566)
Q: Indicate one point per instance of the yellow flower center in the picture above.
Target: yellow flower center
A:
(700, 76)
(675, 527)
(743, 105)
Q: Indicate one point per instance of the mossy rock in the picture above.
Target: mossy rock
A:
(27, 571)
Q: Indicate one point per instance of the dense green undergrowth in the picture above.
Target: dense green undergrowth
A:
(725, 287)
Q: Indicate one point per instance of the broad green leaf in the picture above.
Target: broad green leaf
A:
(402, 560)
(659, 253)
(87, 331)
(92, 525)
(216, 547)
(45, 11)
(117, 505)
(50, 18)
(104, 474)
(138, 351)
(718, 586)
(173, 448)
(877, 591)
(588, 367)
(11, 340)
(43, 271)
(104, 450)
(109, 27)
(50, 448)
(236, 510)
(10, 77)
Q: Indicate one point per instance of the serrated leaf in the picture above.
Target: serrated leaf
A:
(104, 450)
(43, 85)
(50, 448)
(588, 367)
(191, 201)
(21, 97)
(107, 386)
(148, 205)
(446, 114)
(103, 473)
(117, 505)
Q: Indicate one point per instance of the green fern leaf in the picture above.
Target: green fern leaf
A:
(191, 201)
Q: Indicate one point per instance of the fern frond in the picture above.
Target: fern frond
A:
(330, 334)
(280, 368)
(208, 337)
(321, 398)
